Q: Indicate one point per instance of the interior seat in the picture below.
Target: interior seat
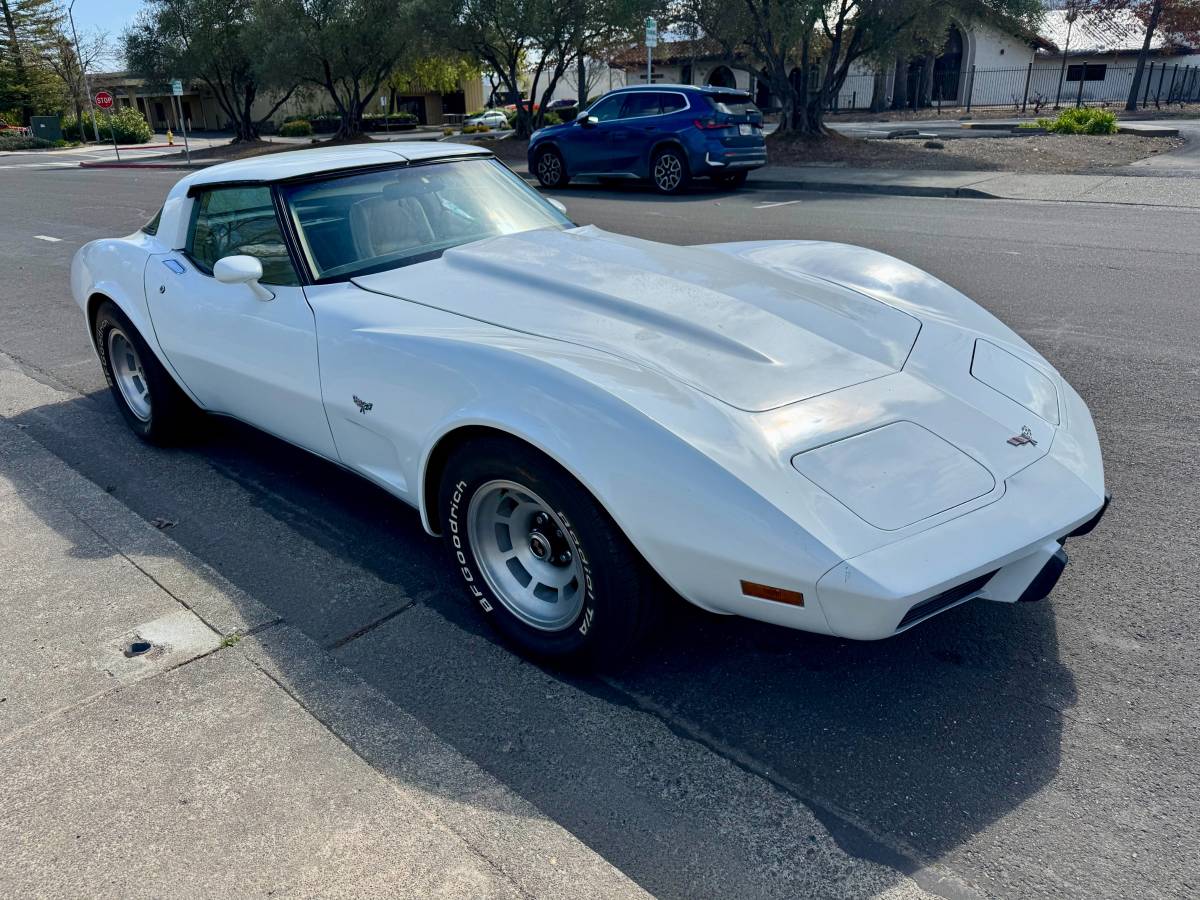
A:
(381, 226)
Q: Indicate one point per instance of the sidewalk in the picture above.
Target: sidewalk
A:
(232, 758)
(1180, 191)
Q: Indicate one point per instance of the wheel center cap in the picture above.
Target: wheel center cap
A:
(539, 546)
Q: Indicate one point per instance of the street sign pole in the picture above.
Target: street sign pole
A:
(651, 43)
(113, 132)
(177, 96)
(104, 100)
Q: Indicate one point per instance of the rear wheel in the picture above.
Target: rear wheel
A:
(540, 558)
(152, 404)
(731, 179)
(550, 169)
(669, 171)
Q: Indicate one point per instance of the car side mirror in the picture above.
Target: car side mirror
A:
(557, 204)
(242, 269)
(587, 121)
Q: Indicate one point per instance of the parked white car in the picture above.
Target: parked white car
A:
(493, 118)
(810, 434)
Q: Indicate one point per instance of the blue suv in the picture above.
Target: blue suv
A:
(668, 133)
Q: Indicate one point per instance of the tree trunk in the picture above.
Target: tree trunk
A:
(900, 87)
(879, 91)
(581, 86)
(18, 63)
(1155, 13)
(926, 94)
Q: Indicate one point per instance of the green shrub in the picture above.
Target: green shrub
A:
(1084, 120)
(296, 128)
(470, 129)
(127, 123)
(551, 118)
(20, 142)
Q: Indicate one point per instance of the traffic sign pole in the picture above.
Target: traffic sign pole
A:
(104, 100)
(177, 98)
(651, 43)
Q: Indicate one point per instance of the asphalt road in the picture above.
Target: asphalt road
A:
(1040, 750)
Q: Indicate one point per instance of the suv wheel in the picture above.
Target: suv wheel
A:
(669, 171)
(550, 169)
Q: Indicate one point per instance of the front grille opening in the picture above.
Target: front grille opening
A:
(945, 599)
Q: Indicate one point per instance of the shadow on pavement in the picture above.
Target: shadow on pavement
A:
(906, 748)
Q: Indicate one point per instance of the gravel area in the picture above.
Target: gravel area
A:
(1043, 153)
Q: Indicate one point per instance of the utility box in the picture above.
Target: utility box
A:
(48, 128)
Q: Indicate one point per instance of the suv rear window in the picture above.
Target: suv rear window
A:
(731, 104)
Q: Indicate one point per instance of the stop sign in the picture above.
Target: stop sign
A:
(104, 99)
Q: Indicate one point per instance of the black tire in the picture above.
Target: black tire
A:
(620, 602)
(550, 168)
(669, 173)
(732, 180)
(171, 412)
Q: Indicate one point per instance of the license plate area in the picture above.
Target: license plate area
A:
(745, 128)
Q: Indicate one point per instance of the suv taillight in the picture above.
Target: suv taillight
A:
(708, 124)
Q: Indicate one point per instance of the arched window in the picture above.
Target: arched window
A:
(722, 76)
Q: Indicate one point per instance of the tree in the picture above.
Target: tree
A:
(806, 47)
(26, 38)
(1178, 21)
(440, 74)
(68, 67)
(506, 35)
(345, 48)
(208, 41)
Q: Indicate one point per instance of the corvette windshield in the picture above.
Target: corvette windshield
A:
(369, 222)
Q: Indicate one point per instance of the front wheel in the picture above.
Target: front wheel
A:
(539, 557)
(550, 169)
(669, 171)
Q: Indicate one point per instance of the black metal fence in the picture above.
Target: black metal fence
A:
(1032, 89)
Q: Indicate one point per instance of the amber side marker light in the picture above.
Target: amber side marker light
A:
(766, 592)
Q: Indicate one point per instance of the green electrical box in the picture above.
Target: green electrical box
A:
(48, 128)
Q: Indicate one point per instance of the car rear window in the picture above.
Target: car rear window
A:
(151, 227)
(732, 104)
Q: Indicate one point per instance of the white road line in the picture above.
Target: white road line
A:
(773, 205)
(46, 237)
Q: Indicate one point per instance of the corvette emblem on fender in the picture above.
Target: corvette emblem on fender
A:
(1017, 440)
(363, 406)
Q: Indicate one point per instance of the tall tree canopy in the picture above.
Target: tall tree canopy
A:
(27, 35)
(806, 47)
(344, 48)
(208, 41)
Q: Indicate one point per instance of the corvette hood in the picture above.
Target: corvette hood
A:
(750, 337)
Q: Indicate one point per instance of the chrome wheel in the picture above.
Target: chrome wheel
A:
(549, 168)
(527, 555)
(668, 172)
(127, 373)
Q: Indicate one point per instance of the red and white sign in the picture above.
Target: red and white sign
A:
(104, 99)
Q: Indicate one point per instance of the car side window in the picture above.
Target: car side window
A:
(672, 102)
(235, 221)
(608, 109)
(641, 103)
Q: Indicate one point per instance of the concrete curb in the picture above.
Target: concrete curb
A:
(203, 164)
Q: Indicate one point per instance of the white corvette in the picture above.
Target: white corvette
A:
(810, 434)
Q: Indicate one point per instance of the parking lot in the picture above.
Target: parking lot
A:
(1042, 749)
